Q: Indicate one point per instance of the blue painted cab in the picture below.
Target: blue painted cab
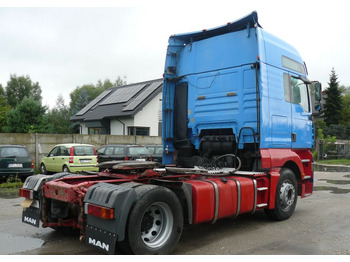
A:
(233, 89)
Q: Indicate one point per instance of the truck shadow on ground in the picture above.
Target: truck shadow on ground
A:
(198, 236)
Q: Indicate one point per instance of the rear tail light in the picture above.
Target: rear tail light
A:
(26, 193)
(151, 158)
(32, 165)
(99, 211)
(71, 158)
(96, 155)
(127, 158)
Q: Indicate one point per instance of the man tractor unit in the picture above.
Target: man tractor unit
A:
(237, 133)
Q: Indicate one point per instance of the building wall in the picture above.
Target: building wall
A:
(83, 129)
(149, 116)
(117, 127)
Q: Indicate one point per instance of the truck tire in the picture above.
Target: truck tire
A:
(155, 222)
(286, 196)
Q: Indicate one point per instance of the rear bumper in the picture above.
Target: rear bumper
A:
(80, 168)
(305, 188)
(18, 173)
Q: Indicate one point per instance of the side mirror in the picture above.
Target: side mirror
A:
(318, 91)
(317, 106)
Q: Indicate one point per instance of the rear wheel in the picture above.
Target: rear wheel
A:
(65, 169)
(43, 169)
(286, 196)
(155, 222)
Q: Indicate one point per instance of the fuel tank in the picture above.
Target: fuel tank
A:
(215, 198)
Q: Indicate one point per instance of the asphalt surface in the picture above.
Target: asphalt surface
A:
(320, 225)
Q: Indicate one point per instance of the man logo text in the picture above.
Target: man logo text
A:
(30, 220)
(98, 243)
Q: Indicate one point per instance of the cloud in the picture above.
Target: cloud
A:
(63, 48)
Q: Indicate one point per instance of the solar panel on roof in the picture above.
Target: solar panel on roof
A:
(93, 102)
(123, 94)
(137, 100)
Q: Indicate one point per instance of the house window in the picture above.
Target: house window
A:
(95, 130)
(138, 131)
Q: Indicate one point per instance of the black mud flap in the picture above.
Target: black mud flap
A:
(32, 208)
(31, 216)
(101, 239)
(104, 233)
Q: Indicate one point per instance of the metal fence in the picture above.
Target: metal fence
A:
(339, 149)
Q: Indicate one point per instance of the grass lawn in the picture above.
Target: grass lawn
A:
(9, 189)
(334, 162)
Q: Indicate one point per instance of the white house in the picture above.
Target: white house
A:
(133, 109)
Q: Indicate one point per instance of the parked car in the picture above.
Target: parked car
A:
(123, 152)
(156, 152)
(73, 158)
(15, 160)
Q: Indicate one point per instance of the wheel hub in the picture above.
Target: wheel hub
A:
(287, 195)
(157, 223)
(147, 222)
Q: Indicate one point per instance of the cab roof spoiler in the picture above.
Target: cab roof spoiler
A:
(248, 21)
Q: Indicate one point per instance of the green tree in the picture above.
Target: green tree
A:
(335, 130)
(101, 86)
(345, 90)
(4, 108)
(2, 91)
(346, 107)
(320, 125)
(27, 117)
(19, 87)
(57, 119)
(81, 96)
(333, 101)
(120, 82)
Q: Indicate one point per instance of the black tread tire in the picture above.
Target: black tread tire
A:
(147, 196)
(43, 169)
(67, 171)
(282, 211)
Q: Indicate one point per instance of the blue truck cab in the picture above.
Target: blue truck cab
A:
(234, 90)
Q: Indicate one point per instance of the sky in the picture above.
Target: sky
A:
(67, 44)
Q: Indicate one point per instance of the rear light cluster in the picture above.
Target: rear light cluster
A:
(96, 154)
(26, 193)
(71, 158)
(99, 211)
(32, 165)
